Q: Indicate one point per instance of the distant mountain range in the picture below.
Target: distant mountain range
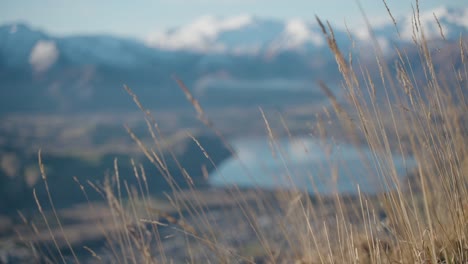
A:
(240, 60)
(252, 35)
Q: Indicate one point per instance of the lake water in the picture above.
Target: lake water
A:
(309, 165)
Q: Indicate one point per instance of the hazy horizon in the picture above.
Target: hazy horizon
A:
(144, 18)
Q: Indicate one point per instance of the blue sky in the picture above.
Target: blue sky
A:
(139, 18)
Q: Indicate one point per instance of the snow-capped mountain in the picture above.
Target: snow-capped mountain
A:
(436, 24)
(252, 35)
(453, 22)
(240, 35)
(19, 42)
(83, 72)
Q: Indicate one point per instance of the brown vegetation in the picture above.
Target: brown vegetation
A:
(422, 219)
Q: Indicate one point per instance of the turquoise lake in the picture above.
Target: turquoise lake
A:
(308, 165)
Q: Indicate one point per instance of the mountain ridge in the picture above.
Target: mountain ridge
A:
(46, 73)
(216, 37)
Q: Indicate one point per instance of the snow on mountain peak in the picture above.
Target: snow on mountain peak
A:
(296, 34)
(239, 34)
(236, 22)
(200, 35)
(248, 35)
(460, 18)
(43, 55)
(451, 21)
(299, 33)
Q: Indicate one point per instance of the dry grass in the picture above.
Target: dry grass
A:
(422, 219)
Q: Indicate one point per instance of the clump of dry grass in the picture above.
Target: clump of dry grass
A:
(420, 219)
(427, 214)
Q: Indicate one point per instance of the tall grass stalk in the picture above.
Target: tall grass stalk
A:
(421, 218)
